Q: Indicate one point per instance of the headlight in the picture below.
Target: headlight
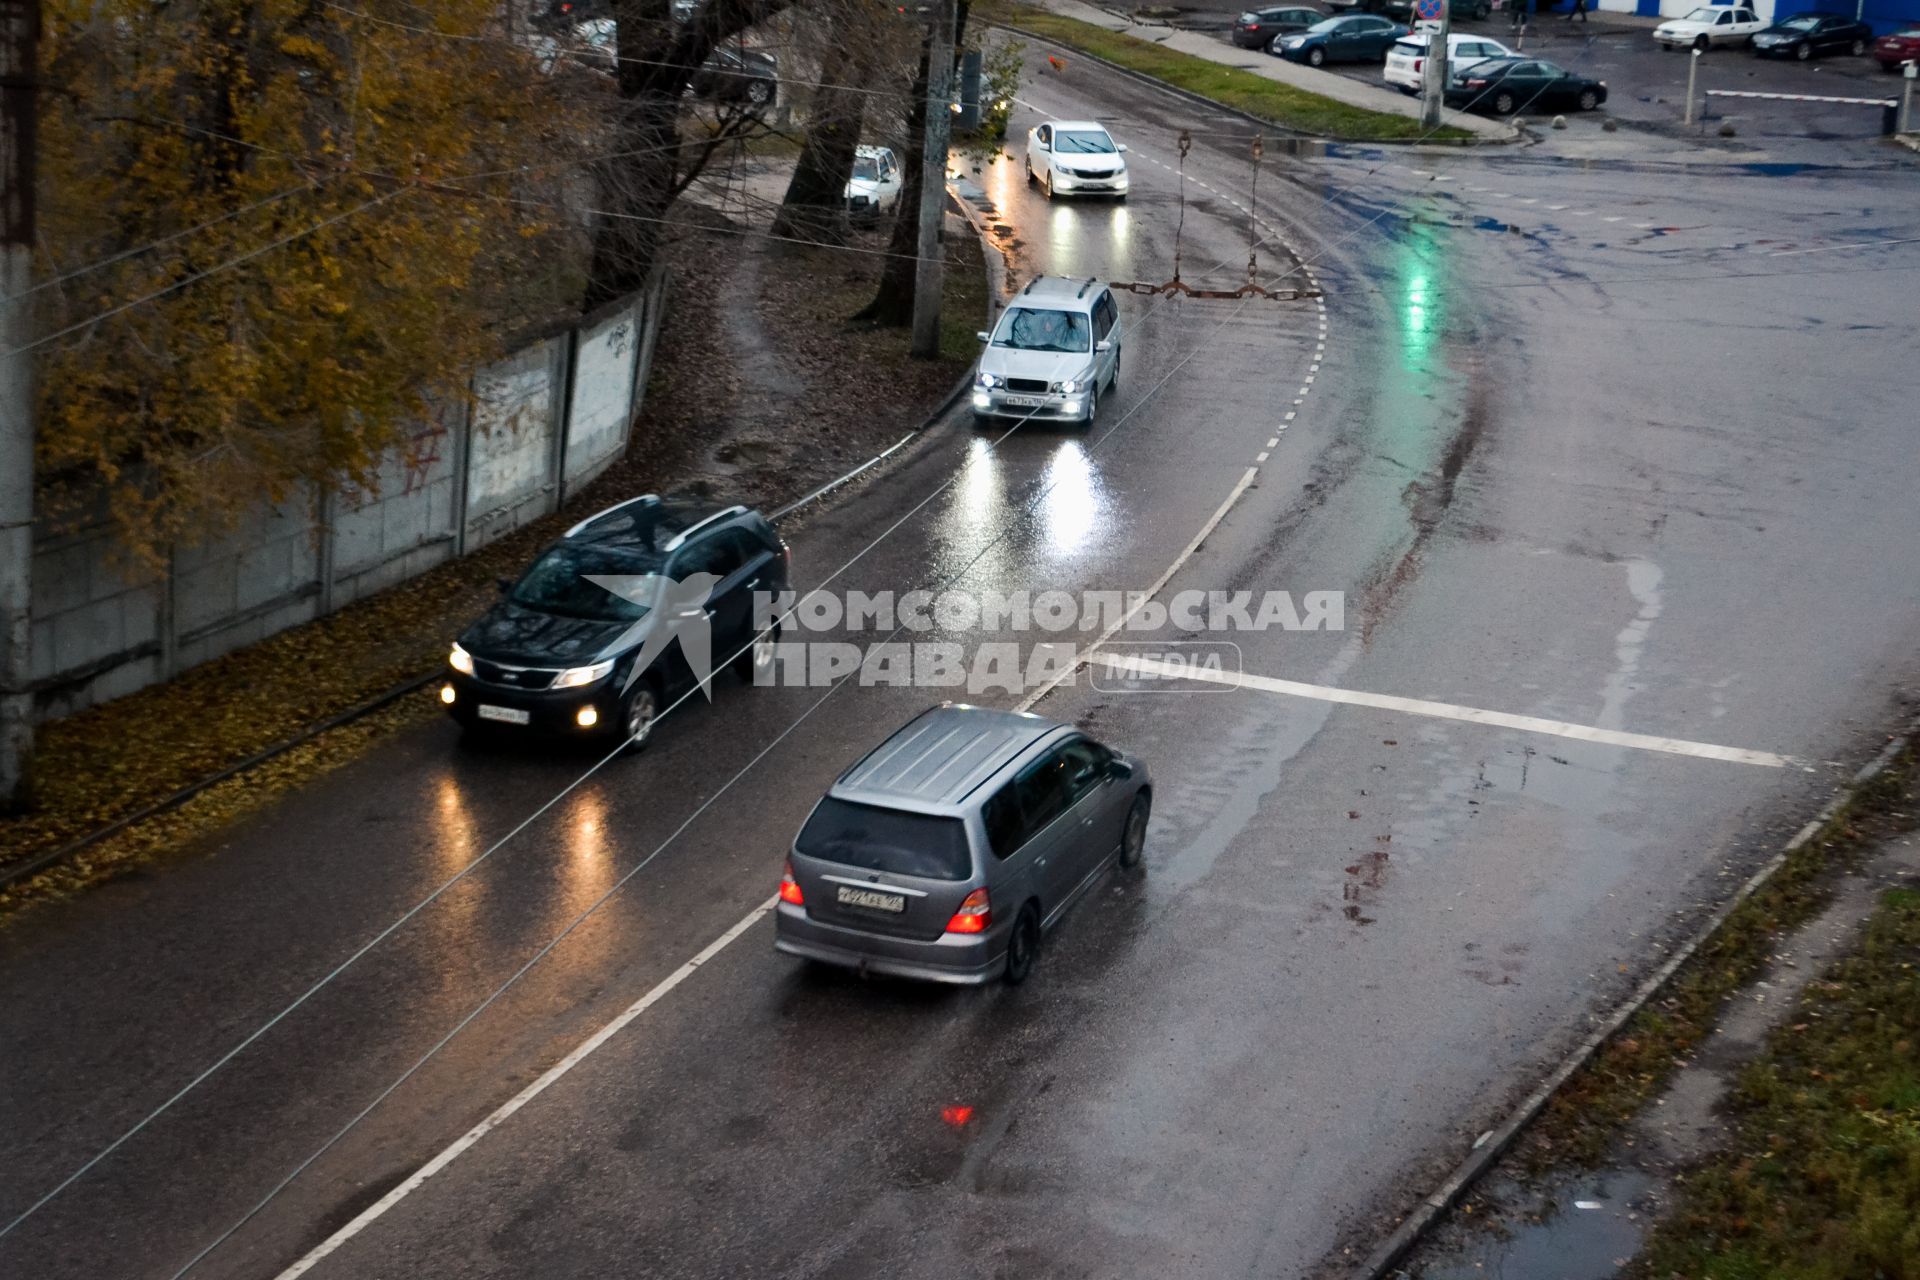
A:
(460, 660)
(987, 380)
(1294, 42)
(1071, 385)
(573, 677)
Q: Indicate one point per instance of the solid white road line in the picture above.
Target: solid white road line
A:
(1139, 665)
(547, 1078)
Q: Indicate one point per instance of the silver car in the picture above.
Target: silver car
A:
(947, 851)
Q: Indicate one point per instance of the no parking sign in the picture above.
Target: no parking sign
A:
(1428, 11)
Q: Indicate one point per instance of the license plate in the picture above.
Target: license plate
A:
(505, 715)
(870, 899)
(1023, 402)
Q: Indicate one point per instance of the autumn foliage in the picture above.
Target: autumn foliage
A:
(272, 231)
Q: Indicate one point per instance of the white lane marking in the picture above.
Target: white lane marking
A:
(519, 1100)
(1263, 456)
(1502, 195)
(1529, 199)
(1644, 226)
(1309, 379)
(1290, 414)
(1159, 584)
(1835, 248)
(1615, 218)
(1581, 213)
(1140, 665)
(1275, 442)
(1556, 207)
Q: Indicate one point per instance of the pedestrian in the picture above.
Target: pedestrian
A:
(1579, 11)
(1517, 11)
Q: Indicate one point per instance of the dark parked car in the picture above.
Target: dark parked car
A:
(1900, 47)
(947, 850)
(1506, 85)
(1357, 37)
(738, 75)
(1256, 28)
(1810, 35)
(611, 621)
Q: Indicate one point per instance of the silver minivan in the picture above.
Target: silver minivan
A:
(951, 847)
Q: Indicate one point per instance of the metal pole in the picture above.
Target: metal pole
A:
(1911, 69)
(928, 271)
(1693, 69)
(18, 104)
(1435, 71)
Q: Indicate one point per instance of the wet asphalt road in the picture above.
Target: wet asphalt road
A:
(1613, 444)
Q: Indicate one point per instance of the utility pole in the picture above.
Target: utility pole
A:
(19, 50)
(1435, 71)
(929, 269)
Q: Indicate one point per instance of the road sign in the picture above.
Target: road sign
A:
(1430, 10)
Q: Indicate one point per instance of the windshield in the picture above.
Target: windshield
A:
(1802, 22)
(1035, 329)
(864, 168)
(1326, 27)
(1098, 144)
(1703, 15)
(864, 835)
(557, 583)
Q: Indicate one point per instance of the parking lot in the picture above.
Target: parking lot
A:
(1647, 84)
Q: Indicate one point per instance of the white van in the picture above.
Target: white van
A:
(1407, 60)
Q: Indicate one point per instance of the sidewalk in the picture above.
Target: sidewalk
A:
(1306, 79)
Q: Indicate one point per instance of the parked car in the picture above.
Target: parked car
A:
(734, 74)
(1400, 10)
(1052, 351)
(1707, 26)
(1357, 37)
(1900, 47)
(1811, 35)
(1076, 157)
(558, 15)
(593, 639)
(1407, 59)
(947, 851)
(1256, 28)
(874, 188)
(1506, 85)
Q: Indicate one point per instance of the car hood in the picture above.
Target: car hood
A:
(520, 636)
(1779, 35)
(1049, 366)
(863, 186)
(1091, 161)
(1682, 27)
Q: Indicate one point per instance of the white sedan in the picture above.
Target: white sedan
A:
(1709, 25)
(1076, 157)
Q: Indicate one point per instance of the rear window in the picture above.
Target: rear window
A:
(876, 839)
(1409, 48)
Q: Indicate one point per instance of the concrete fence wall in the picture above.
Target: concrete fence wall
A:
(544, 421)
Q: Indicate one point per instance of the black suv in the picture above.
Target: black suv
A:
(630, 608)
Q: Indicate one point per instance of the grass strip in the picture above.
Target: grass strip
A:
(1822, 1178)
(1284, 105)
(1579, 1125)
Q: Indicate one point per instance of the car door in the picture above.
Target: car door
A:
(1380, 39)
(1093, 804)
(1040, 148)
(1106, 328)
(1042, 791)
(727, 608)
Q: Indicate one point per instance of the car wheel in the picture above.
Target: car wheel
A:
(758, 656)
(1316, 57)
(759, 92)
(1858, 48)
(1033, 179)
(637, 715)
(1023, 945)
(1113, 380)
(1133, 838)
(1505, 104)
(1589, 100)
(1093, 403)
(1702, 43)
(1482, 12)
(1803, 51)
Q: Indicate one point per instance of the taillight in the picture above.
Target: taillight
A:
(786, 553)
(1419, 63)
(790, 888)
(974, 915)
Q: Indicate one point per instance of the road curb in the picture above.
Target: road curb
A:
(34, 866)
(1289, 141)
(1383, 1261)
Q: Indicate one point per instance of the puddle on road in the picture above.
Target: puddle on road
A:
(1590, 1228)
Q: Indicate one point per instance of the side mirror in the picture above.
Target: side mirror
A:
(982, 335)
(1105, 344)
(1043, 146)
(1123, 146)
(1119, 770)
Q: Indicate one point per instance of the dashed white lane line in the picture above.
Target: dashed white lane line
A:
(1615, 218)
(1290, 415)
(1262, 456)
(1275, 442)
(1557, 208)
(1137, 664)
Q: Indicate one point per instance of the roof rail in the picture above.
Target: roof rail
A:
(1083, 288)
(645, 497)
(1029, 289)
(679, 539)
